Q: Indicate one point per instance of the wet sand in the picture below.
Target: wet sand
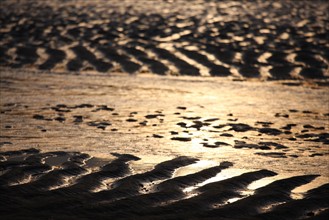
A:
(258, 40)
(161, 110)
(209, 145)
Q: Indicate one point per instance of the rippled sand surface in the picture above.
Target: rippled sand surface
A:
(251, 125)
(239, 39)
(164, 110)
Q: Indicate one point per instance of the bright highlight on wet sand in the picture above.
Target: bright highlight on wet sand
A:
(164, 109)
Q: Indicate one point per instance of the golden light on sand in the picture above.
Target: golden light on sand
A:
(160, 109)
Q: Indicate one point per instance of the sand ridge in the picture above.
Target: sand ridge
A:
(160, 109)
(262, 39)
(85, 187)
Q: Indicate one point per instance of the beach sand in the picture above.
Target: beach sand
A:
(164, 110)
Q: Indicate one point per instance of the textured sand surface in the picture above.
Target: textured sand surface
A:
(195, 124)
(164, 109)
(240, 39)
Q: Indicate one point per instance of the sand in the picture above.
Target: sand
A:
(164, 110)
(148, 147)
(262, 40)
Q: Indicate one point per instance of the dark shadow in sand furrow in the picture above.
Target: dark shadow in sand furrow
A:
(281, 72)
(313, 73)
(278, 59)
(225, 55)
(25, 55)
(19, 152)
(215, 70)
(4, 57)
(74, 65)
(131, 185)
(35, 166)
(19, 174)
(184, 67)
(128, 186)
(309, 59)
(126, 64)
(209, 194)
(274, 193)
(316, 200)
(182, 182)
(51, 179)
(83, 53)
(250, 57)
(155, 66)
(324, 215)
(248, 70)
(8, 163)
(117, 168)
(55, 56)
(164, 192)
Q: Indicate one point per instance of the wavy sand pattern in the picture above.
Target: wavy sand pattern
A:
(164, 109)
(263, 39)
(68, 184)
